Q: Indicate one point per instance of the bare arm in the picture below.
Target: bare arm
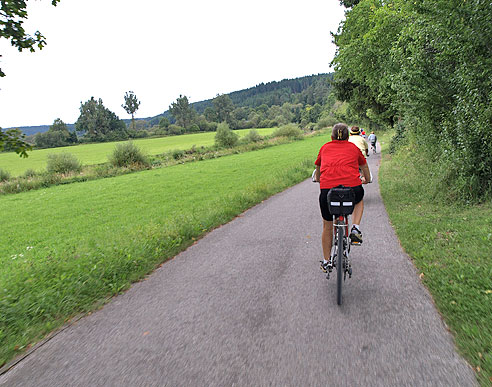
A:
(318, 173)
(366, 178)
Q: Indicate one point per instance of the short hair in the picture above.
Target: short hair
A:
(340, 132)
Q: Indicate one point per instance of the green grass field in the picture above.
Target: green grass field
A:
(89, 154)
(66, 248)
(451, 244)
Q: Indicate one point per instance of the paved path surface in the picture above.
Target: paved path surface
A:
(248, 306)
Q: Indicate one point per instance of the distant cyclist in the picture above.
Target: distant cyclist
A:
(337, 164)
(373, 139)
(357, 139)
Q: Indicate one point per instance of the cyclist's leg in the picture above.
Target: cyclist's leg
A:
(327, 233)
(358, 211)
(357, 214)
(327, 239)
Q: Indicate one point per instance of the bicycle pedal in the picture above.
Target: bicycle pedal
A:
(355, 243)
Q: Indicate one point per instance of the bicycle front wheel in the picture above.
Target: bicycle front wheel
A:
(340, 269)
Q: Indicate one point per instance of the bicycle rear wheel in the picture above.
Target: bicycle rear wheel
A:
(340, 269)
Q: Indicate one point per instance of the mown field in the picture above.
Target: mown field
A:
(66, 248)
(451, 245)
(89, 154)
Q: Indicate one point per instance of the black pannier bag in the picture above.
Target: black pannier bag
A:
(341, 200)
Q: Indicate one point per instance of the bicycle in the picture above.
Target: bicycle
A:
(373, 147)
(341, 205)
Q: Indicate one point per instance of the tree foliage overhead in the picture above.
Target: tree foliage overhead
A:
(425, 67)
(12, 15)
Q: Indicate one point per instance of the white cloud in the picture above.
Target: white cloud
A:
(159, 49)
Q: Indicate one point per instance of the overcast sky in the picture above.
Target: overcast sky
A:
(159, 50)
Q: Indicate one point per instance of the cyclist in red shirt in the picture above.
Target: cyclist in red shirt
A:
(337, 164)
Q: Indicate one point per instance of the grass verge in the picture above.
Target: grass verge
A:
(451, 245)
(70, 246)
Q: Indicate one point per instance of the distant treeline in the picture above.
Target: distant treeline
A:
(308, 90)
(308, 102)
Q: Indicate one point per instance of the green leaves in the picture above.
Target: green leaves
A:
(11, 14)
(182, 111)
(99, 123)
(13, 139)
(427, 65)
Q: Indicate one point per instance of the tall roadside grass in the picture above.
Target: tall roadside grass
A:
(70, 247)
(451, 245)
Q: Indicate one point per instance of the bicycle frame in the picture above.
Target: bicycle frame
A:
(340, 250)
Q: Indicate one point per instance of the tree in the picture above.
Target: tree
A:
(425, 67)
(99, 123)
(58, 126)
(223, 107)
(12, 13)
(164, 122)
(57, 135)
(131, 105)
(349, 3)
(13, 139)
(182, 112)
(210, 114)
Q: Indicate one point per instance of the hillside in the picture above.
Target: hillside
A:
(310, 89)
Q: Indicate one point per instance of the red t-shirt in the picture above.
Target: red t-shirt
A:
(339, 164)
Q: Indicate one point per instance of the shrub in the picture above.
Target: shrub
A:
(194, 128)
(252, 136)
(29, 173)
(289, 130)
(128, 154)
(326, 122)
(177, 154)
(4, 175)
(225, 137)
(160, 131)
(50, 179)
(175, 130)
(63, 163)
(266, 123)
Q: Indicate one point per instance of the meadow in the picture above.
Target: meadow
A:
(68, 248)
(90, 154)
(450, 244)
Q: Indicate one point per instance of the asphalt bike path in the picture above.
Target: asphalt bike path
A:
(247, 305)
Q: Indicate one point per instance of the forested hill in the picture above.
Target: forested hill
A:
(310, 89)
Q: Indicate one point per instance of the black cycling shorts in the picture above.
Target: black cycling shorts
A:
(323, 201)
